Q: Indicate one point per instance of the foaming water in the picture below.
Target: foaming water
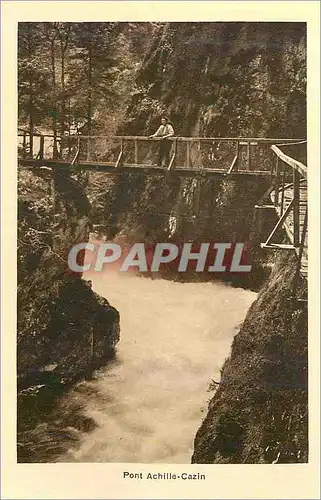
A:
(147, 405)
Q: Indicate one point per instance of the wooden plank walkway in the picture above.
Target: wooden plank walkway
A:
(110, 168)
(289, 221)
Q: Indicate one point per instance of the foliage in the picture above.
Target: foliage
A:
(77, 75)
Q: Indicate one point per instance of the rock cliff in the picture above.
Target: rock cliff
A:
(259, 412)
(64, 328)
(224, 80)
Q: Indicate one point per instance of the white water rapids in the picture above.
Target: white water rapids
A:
(149, 403)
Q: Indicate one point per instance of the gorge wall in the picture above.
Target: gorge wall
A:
(64, 328)
(223, 80)
(146, 208)
(259, 411)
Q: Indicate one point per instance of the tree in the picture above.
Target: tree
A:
(79, 73)
(33, 83)
(63, 32)
(93, 61)
(50, 34)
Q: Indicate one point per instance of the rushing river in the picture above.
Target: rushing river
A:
(147, 404)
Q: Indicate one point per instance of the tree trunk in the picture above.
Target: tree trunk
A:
(89, 106)
(63, 107)
(31, 120)
(54, 97)
(63, 32)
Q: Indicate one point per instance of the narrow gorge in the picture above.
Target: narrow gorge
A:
(166, 367)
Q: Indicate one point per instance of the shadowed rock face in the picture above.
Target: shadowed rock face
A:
(259, 412)
(224, 79)
(64, 328)
(151, 209)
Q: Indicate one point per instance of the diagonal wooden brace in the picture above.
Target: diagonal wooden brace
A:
(280, 222)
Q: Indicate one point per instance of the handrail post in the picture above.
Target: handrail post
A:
(55, 149)
(296, 208)
(277, 182)
(136, 152)
(88, 149)
(24, 142)
(42, 145)
(249, 155)
(61, 142)
(236, 166)
(31, 145)
(303, 236)
(199, 153)
(282, 194)
(187, 154)
(272, 165)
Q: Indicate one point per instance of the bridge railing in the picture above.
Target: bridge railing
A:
(289, 196)
(217, 153)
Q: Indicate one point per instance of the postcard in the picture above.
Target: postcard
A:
(160, 209)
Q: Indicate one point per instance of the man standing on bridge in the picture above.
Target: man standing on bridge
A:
(164, 131)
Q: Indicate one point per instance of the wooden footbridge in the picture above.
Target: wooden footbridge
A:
(288, 195)
(211, 156)
(193, 156)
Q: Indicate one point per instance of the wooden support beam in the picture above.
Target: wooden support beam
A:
(77, 153)
(281, 246)
(119, 161)
(237, 147)
(171, 165)
(299, 269)
(303, 236)
(280, 222)
(296, 208)
(233, 164)
(109, 167)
